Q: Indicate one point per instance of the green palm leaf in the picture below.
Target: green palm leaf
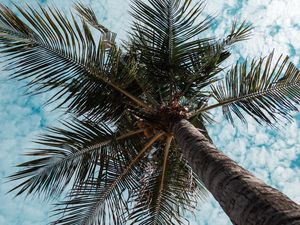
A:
(265, 90)
(238, 33)
(206, 65)
(79, 152)
(165, 36)
(56, 53)
(88, 14)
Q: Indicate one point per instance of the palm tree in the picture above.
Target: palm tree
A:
(134, 148)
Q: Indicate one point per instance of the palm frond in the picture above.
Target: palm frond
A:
(205, 70)
(238, 33)
(164, 37)
(79, 152)
(208, 65)
(88, 14)
(89, 204)
(57, 53)
(169, 189)
(265, 90)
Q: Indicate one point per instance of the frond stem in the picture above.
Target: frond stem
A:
(130, 96)
(275, 88)
(103, 143)
(161, 186)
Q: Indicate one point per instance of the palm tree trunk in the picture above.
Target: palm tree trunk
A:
(244, 198)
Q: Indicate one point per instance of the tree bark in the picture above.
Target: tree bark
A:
(244, 198)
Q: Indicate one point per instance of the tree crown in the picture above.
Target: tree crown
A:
(116, 156)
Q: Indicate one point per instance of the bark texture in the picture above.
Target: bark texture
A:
(244, 198)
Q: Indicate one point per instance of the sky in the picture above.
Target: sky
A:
(272, 156)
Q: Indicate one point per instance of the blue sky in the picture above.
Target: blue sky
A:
(271, 156)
